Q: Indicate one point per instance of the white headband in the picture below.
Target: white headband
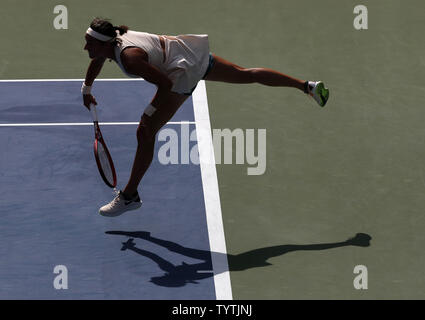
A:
(98, 35)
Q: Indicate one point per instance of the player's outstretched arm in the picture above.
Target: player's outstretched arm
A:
(93, 71)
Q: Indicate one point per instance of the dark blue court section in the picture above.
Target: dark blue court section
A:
(61, 101)
(51, 193)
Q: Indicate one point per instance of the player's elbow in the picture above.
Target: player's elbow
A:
(165, 84)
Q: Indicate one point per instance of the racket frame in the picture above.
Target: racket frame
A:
(99, 139)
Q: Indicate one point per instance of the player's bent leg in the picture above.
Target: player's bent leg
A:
(129, 198)
(149, 125)
(144, 154)
(166, 107)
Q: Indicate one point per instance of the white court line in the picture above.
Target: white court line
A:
(72, 123)
(82, 124)
(223, 288)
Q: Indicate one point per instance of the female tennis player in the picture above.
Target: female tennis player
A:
(174, 64)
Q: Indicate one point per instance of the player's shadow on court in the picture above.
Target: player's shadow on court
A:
(180, 275)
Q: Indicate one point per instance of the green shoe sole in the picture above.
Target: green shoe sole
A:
(323, 94)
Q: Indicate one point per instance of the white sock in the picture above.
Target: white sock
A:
(311, 85)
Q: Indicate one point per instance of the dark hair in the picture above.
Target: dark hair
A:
(106, 28)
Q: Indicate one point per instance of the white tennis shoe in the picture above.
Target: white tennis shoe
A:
(120, 205)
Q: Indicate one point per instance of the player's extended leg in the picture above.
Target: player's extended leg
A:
(226, 71)
(166, 106)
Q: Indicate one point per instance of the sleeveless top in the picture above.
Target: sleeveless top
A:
(187, 56)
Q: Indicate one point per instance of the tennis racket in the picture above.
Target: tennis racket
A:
(102, 155)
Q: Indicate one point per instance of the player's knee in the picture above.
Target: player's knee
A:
(246, 75)
(253, 74)
(145, 132)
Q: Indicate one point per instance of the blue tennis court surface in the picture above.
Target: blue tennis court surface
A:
(52, 191)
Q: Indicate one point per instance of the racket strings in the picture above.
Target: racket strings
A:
(103, 158)
(104, 161)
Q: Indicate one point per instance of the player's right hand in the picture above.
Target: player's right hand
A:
(88, 99)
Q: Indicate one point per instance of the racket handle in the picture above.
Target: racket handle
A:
(93, 111)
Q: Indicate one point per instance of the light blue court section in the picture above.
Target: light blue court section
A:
(51, 192)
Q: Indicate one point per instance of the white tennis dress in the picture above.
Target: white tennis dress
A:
(186, 56)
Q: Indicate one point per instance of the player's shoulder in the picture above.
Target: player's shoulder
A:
(132, 55)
